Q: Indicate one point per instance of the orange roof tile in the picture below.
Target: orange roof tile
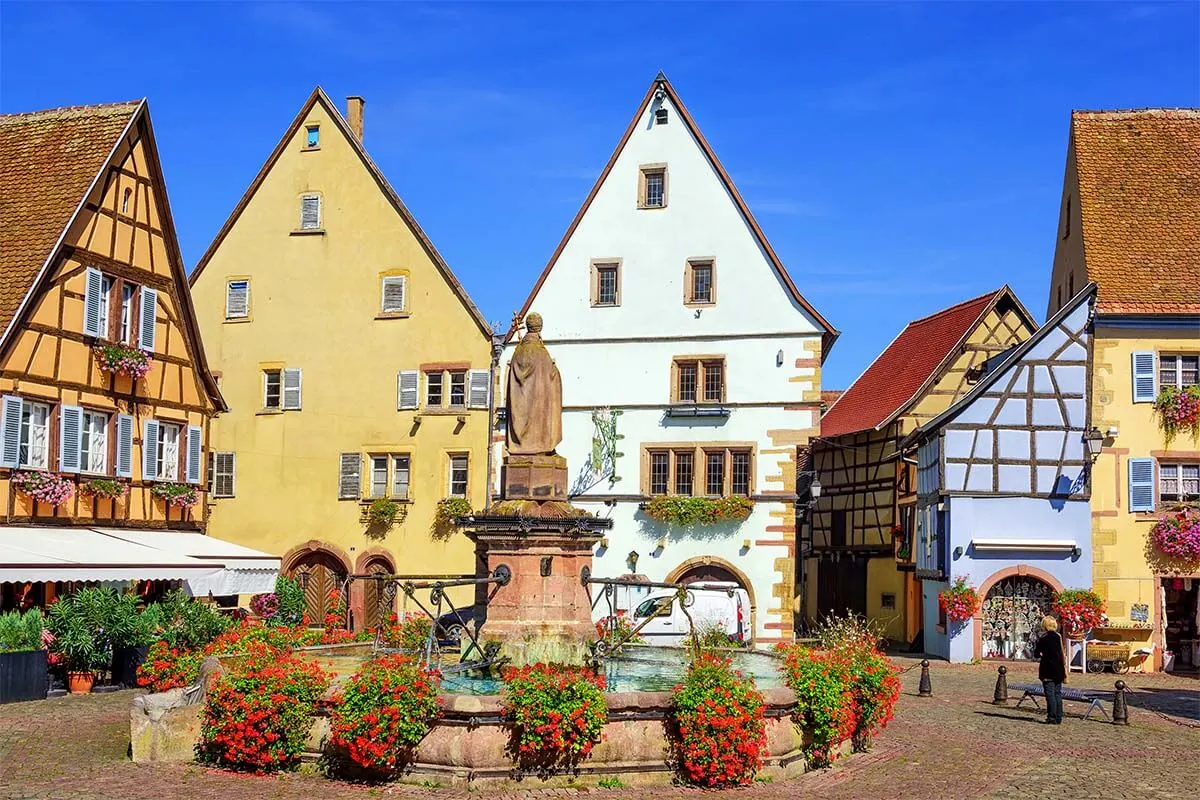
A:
(48, 160)
(1139, 196)
(914, 358)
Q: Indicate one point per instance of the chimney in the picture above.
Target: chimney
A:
(354, 115)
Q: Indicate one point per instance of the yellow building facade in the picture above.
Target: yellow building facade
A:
(1127, 221)
(357, 370)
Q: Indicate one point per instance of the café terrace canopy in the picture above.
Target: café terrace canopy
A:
(203, 563)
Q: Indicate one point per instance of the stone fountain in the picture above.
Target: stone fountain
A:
(543, 613)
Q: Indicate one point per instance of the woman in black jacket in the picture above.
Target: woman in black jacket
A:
(1052, 669)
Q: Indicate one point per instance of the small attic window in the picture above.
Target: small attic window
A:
(660, 117)
(312, 137)
(125, 201)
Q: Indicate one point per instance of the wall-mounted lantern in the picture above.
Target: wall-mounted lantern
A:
(632, 560)
(1094, 440)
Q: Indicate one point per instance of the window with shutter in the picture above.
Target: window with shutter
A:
(291, 389)
(272, 388)
(310, 212)
(349, 482)
(35, 435)
(70, 428)
(149, 316)
(124, 446)
(167, 464)
(150, 450)
(1144, 388)
(237, 299)
(93, 443)
(408, 389)
(481, 380)
(1141, 484)
(10, 431)
(94, 288)
(222, 467)
(195, 448)
(395, 289)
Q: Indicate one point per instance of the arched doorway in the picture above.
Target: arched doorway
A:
(1012, 614)
(379, 598)
(708, 573)
(708, 569)
(321, 575)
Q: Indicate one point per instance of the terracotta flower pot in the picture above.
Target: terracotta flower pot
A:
(80, 682)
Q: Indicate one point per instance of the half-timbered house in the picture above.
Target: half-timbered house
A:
(859, 543)
(105, 396)
(1002, 493)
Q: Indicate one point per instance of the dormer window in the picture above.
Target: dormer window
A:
(312, 137)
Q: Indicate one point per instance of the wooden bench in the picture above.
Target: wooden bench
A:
(1032, 691)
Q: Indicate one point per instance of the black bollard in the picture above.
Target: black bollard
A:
(1120, 707)
(926, 688)
(1000, 697)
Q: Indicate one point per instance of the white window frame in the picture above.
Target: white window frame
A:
(28, 409)
(379, 478)
(93, 446)
(277, 374)
(167, 457)
(442, 388)
(229, 284)
(1177, 382)
(125, 328)
(1173, 471)
(396, 459)
(104, 303)
(452, 461)
(312, 137)
(461, 376)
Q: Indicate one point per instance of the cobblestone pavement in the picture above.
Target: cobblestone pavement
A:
(952, 745)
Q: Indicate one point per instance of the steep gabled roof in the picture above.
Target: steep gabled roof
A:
(48, 162)
(830, 333)
(1139, 197)
(318, 96)
(912, 363)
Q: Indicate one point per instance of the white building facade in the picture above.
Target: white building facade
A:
(690, 366)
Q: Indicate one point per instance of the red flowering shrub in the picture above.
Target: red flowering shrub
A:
(720, 722)
(168, 667)
(410, 634)
(258, 719)
(384, 711)
(1079, 609)
(557, 713)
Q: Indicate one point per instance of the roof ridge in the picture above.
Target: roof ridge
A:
(1131, 112)
(956, 306)
(117, 106)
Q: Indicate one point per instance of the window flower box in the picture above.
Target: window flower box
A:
(383, 512)
(104, 487)
(120, 359)
(686, 511)
(45, 487)
(1177, 534)
(1178, 410)
(179, 495)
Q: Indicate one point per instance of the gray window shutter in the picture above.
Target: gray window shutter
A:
(92, 324)
(70, 429)
(310, 213)
(349, 480)
(292, 384)
(224, 467)
(195, 447)
(1141, 484)
(150, 450)
(124, 466)
(10, 451)
(1144, 377)
(394, 290)
(149, 315)
(480, 387)
(408, 389)
(237, 299)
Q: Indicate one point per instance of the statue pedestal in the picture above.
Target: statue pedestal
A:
(544, 612)
(542, 477)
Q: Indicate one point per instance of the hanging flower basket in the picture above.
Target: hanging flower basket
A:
(180, 495)
(1177, 534)
(960, 601)
(699, 510)
(1178, 410)
(104, 487)
(121, 359)
(1080, 610)
(45, 487)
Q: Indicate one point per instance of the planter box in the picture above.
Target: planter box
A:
(23, 676)
(125, 663)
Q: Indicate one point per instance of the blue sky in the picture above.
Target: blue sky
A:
(900, 157)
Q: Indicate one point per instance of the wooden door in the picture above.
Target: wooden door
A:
(321, 577)
(842, 586)
(379, 598)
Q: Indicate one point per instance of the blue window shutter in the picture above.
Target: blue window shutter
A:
(1141, 484)
(10, 451)
(149, 314)
(91, 302)
(1144, 378)
(195, 444)
(70, 429)
(124, 466)
(150, 450)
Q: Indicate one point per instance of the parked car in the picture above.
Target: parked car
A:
(726, 605)
(452, 626)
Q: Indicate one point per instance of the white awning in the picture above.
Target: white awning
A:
(81, 554)
(1041, 545)
(242, 570)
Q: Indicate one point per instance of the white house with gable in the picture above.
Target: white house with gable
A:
(690, 365)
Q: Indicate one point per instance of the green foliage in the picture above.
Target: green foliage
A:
(180, 495)
(409, 634)
(104, 487)
(383, 512)
(1178, 410)
(292, 604)
(722, 728)
(557, 714)
(448, 509)
(687, 511)
(21, 631)
(611, 782)
(190, 624)
(711, 635)
(80, 623)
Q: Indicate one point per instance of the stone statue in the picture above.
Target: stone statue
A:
(534, 395)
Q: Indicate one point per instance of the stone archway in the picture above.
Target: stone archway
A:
(1014, 600)
(321, 571)
(711, 568)
(371, 601)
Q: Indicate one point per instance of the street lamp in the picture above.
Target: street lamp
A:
(1094, 440)
(814, 489)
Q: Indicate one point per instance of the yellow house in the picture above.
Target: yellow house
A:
(105, 398)
(1129, 222)
(861, 558)
(357, 370)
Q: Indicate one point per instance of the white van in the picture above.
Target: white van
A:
(726, 605)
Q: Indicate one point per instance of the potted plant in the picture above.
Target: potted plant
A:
(132, 634)
(180, 495)
(121, 359)
(1080, 610)
(23, 662)
(1178, 410)
(104, 487)
(80, 637)
(960, 601)
(382, 513)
